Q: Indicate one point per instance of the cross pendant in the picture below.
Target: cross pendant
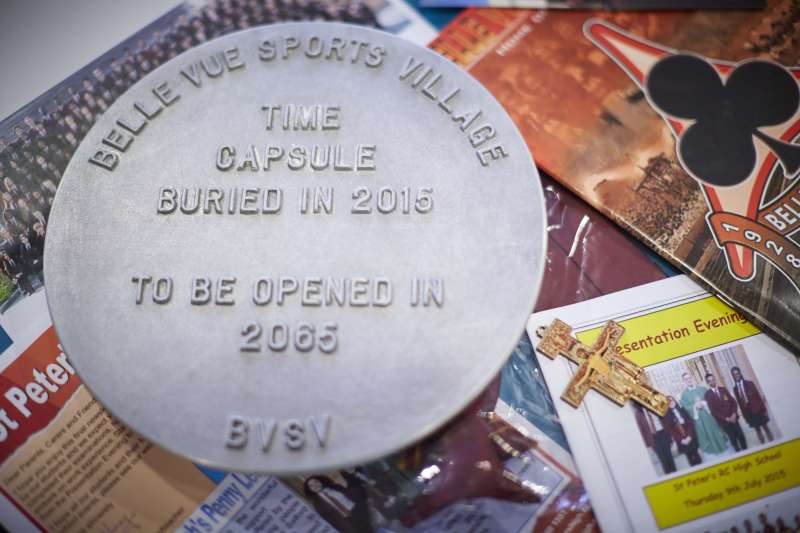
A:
(600, 367)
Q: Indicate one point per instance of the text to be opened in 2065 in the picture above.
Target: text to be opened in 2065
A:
(295, 248)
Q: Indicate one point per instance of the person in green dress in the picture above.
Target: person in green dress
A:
(709, 435)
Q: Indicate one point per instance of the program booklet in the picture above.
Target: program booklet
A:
(725, 457)
(681, 126)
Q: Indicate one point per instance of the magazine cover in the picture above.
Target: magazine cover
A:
(601, 4)
(680, 126)
(724, 455)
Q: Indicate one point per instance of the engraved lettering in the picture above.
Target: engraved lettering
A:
(335, 47)
(266, 432)
(427, 89)
(301, 117)
(135, 127)
(232, 59)
(118, 140)
(224, 295)
(427, 291)
(162, 290)
(330, 117)
(270, 114)
(356, 50)
(297, 158)
(140, 282)
(294, 433)
(286, 285)
(467, 118)
(249, 202)
(289, 44)
(214, 197)
(336, 291)
(250, 160)
(382, 292)
(104, 159)
(273, 201)
(328, 341)
(236, 432)
(232, 201)
(365, 157)
(428, 82)
(497, 151)
(410, 67)
(386, 200)
(165, 93)
(212, 66)
(287, 116)
(191, 73)
(251, 332)
(317, 200)
(274, 153)
(304, 337)
(359, 288)
(330, 49)
(314, 47)
(320, 157)
(267, 50)
(481, 134)
(311, 293)
(421, 77)
(166, 200)
(214, 200)
(375, 57)
(262, 291)
(201, 291)
(304, 196)
(321, 426)
(305, 118)
(148, 111)
(339, 163)
(444, 103)
(278, 338)
(190, 201)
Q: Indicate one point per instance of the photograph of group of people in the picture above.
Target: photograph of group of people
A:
(777, 523)
(37, 142)
(716, 409)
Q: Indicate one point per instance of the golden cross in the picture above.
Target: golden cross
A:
(600, 367)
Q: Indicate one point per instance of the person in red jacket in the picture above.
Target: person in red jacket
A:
(724, 409)
(752, 404)
(681, 428)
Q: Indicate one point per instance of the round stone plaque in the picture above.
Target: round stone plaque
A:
(295, 248)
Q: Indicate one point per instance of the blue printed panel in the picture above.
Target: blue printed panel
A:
(5, 340)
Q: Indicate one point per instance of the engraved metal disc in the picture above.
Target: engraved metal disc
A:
(295, 248)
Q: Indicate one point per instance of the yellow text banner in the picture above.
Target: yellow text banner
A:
(725, 485)
(665, 334)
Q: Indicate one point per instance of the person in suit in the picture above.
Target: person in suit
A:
(724, 409)
(656, 436)
(752, 405)
(681, 428)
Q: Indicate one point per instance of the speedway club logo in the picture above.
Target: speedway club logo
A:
(734, 125)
